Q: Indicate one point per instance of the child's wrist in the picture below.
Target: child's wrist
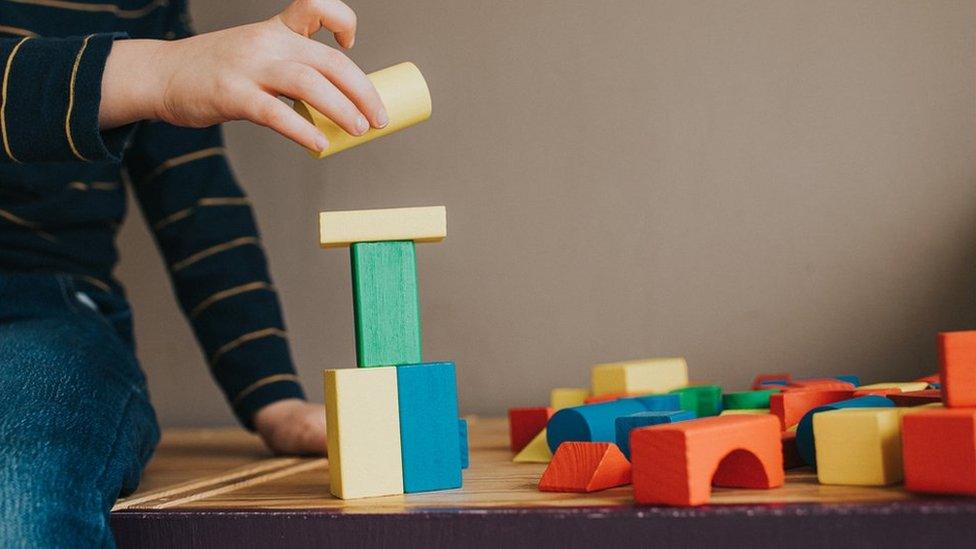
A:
(133, 83)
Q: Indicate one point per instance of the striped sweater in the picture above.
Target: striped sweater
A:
(63, 185)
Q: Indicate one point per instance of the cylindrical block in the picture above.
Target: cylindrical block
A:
(404, 93)
(590, 422)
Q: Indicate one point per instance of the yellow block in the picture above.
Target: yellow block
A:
(652, 375)
(567, 397)
(859, 446)
(404, 93)
(363, 422)
(749, 411)
(424, 224)
(537, 451)
(905, 386)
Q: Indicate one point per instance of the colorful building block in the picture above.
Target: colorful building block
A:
(566, 397)
(931, 379)
(858, 446)
(363, 432)
(704, 400)
(748, 400)
(852, 379)
(425, 224)
(593, 399)
(525, 423)
(767, 381)
(429, 442)
(820, 384)
(590, 422)
(386, 303)
(790, 406)
(463, 442)
(744, 411)
(805, 441)
(957, 368)
(625, 424)
(903, 386)
(917, 398)
(585, 467)
(654, 375)
(676, 464)
(939, 450)
(536, 451)
(660, 403)
(791, 455)
(877, 392)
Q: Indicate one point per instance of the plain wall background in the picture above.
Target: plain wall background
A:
(766, 185)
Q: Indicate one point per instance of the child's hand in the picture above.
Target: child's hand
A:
(292, 426)
(237, 74)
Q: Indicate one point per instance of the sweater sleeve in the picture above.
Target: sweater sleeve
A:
(49, 98)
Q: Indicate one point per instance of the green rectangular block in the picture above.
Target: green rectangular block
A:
(386, 303)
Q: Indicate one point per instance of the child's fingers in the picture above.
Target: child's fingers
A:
(306, 17)
(299, 81)
(346, 76)
(268, 111)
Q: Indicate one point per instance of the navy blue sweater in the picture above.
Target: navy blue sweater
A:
(63, 188)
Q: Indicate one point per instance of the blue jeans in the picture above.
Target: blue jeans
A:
(76, 425)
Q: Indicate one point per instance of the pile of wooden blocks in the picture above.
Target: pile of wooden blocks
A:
(643, 423)
(393, 424)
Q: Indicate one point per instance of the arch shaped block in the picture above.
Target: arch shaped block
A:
(807, 445)
(590, 422)
(676, 464)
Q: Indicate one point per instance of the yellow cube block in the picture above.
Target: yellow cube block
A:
(653, 375)
(859, 446)
(567, 397)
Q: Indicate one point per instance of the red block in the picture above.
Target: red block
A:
(821, 384)
(791, 454)
(939, 451)
(525, 423)
(916, 398)
(790, 406)
(677, 463)
(934, 378)
(957, 368)
(757, 383)
(585, 467)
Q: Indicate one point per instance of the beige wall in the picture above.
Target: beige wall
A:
(756, 185)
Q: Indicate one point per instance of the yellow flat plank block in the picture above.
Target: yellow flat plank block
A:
(363, 422)
(905, 386)
(536, 451)
(424, 224)
(567, 397)
(748, 411)
(859, 446)
(404, 93)
(652, 375)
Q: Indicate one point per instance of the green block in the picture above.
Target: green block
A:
(386, 303)
(746, 400)
(704, 400)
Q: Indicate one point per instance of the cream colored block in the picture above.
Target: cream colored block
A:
(859, 446)
(905, 386)
(536, 451)
(652, 375)
(747, 411)
(363, 423)
(567, 397)
(424, 224)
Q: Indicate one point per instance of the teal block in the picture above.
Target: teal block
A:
(704, 400)
(626, 424)
(429, 438)
(463, 441)
(589, 422)
(661, 403)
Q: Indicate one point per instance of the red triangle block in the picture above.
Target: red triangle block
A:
(585, 467)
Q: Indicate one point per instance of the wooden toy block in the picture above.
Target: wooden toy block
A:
(852, 379)
(654, 375)
(790, 406)
(566, 397)
(625, 424)
(876, 392)
(676, 464)
(386, 303)
(764, 381)
(525, 423)
(463, 442)
(957, 368)
(706, 399)
(931, 379)
(744, 411)
(820, 384)
(746, 400)
(585, 467)
(917, 398)
(660, 403)
(805, 441)
(536, 451)
(340, 229)
(939, 450)
(791, 455)
(363, 425)
(858, 446)
(429, 441)
(903, 386)
(590, 422)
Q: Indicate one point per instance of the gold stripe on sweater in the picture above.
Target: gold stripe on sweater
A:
(17, 31)
(230, 292)
(182, 159)
(71, 99)
(21, 222)
(261, 383)
(110, 8)
(237, 242)
(203, 202)
(252, 336)
(3, 100)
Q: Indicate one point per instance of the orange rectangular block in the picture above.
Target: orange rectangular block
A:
(821, 384)
(790, 406)
(957, 368)
(939, 450)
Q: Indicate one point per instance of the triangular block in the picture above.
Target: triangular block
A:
(585, 467)
(536, 451)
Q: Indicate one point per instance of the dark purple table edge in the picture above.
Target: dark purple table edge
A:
(937, 523)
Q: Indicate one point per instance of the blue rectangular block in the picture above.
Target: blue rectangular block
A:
(463, 441)
(429, 438)
(661, 403)
(626, 424)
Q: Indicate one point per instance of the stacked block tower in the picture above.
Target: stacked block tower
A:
(393, 424)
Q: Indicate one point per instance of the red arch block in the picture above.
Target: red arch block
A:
(677, 463)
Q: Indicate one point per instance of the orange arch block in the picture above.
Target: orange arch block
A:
(585, 467)
(677, 463)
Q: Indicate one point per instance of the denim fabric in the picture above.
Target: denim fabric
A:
(76, 425)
